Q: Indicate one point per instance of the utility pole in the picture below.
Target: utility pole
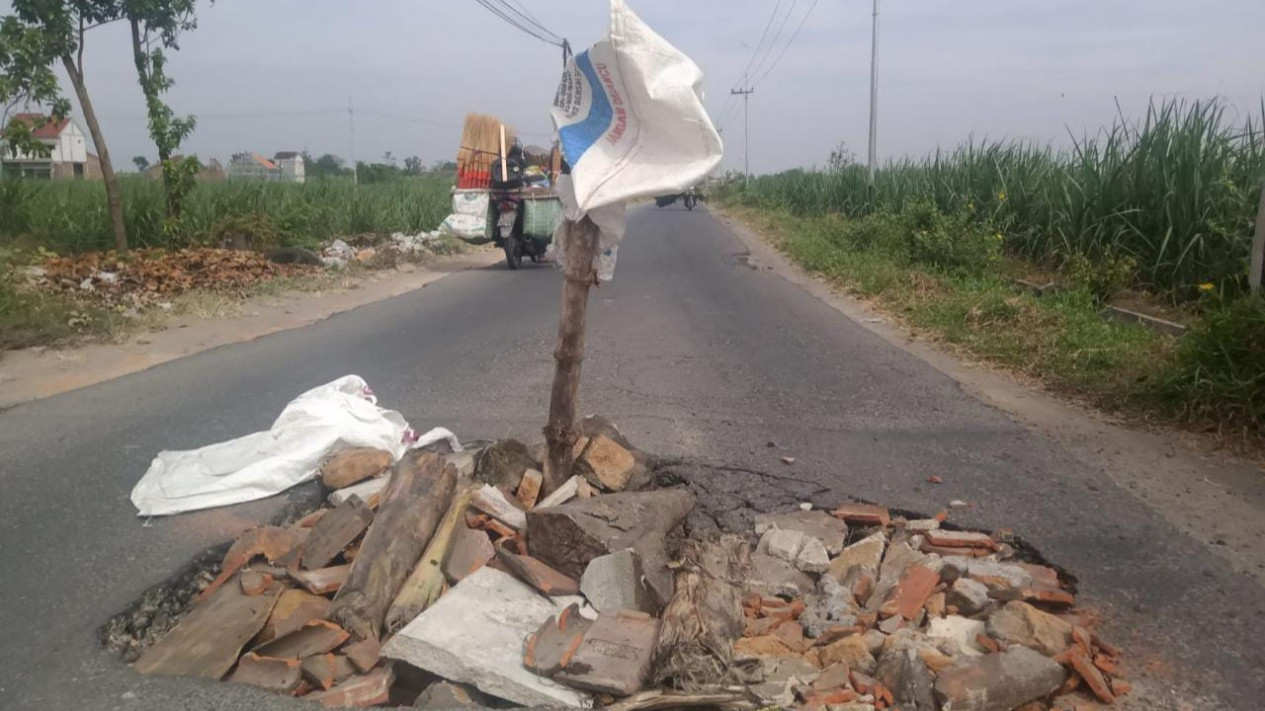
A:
(745, 93)
(874, 96)
(351, 118)
(1258, 247)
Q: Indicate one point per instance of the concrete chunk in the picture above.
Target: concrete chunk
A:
(817, 524)
(491, 501)
(366, 490)
(998, 682)
(774, 576)
(615, 582)
(474, 635)
(956, 635)
(614, 657)
(865, 553)
(1021, 623)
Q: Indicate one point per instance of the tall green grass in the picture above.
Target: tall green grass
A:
(71, 216)
(1176, 191)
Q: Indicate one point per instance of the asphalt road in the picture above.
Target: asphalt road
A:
(694, 354)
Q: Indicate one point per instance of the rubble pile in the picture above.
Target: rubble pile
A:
(451, 580)
(145, 277)
(374, 250)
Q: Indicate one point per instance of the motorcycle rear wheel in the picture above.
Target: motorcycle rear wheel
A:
(513, 253)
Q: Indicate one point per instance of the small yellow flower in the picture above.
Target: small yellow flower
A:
(998, 236)
(1207, 286)
(1001, 195)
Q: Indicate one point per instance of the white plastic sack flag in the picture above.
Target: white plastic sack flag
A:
(318, 423)
(630, 117)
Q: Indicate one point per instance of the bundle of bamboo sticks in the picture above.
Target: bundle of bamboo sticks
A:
(480, 146)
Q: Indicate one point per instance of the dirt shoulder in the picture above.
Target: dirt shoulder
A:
(34, 373)
(1213, 497)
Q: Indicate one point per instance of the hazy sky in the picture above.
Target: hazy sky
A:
(269, 75)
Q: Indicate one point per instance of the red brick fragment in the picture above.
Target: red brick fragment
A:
(271, 542)
(865, 514)
(364, 654)
(1120, 687)
(1057, 598)
(370, 689)
(836, 633)
(927, 547)
(1081, 637)
(255, 583)
(933, 479)
(911, 593)
(1093, 678)
(1107, 647)
(280, 675)
(827, 698)
(1042, 576)
(1108, 665)
(988, 643)
(310, 520)
(1072, 683)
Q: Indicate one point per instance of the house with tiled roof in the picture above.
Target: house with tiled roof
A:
(68, 155)
(286, 167)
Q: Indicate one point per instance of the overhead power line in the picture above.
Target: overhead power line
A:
(522, 21)
(763, 36)
(789, 42)
(776, 36)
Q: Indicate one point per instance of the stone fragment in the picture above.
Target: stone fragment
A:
(615, 656)
(315, 637)
(1013, 575)
(372, 689)
(207, 642)
(960, 539)
(904, 673)
(474, 635)
(866, 554)
(606, 464)
(792, 635)
(325, 670)
(766, 646)
(911, 592)
(935, 660)
(1021, 623)
(874, 641)
(552, 646)
(537, 574)
(969, 596)
(447, 696)
(491, 501)
(773, 576)
(957, 635)
(294, 609)
(998, 682)
(334, 532)
(567, 537)
(834, 676)
(863, 514)
(832, 605)
(936, 605)
(323, 581)
(782, 544)
(829, 530)
(280, 675)
(812, 557)
(254, 582)
(471, 549)
(852, 651)
(502, 464)
(615, 582)
(922, 525)
(368, 491)
(364, 654)
(564, 493)
(352, 466)
(529, 488)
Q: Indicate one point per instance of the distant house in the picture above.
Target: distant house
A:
(211, 171)
(291, 165)
(68, 152)
(285, 167)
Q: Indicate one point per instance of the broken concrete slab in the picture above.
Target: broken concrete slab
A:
(615, 582)
(315, 637)
(503, 463)
(366, 490)
(323, 671)
(537, 574)
(567, 537)
(773, 576)
(474, 635)
(564, 493)
(605, 463)
(294, 609)
(279, 675)
(614, 657)
(471, 550)
(323, 581)
(829, 530)
(866, 553)
(352, 466)
(334, 532)
(370, 689)
(780, 543)
(447, 696)
(956, 635)
(207, 642)
(1020, 623)
(998, 682)
(492, 501)
(909, 680)
(529, 488)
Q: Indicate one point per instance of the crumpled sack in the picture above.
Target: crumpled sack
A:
(320, 422)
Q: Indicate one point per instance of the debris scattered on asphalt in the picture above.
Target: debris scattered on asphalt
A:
(500, 593)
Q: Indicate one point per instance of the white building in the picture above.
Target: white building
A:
(68, 152)
(291, 165)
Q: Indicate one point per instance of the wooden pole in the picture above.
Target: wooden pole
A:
(560, 432)
(1258, 247)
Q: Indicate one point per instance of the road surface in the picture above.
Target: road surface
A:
(695, 353)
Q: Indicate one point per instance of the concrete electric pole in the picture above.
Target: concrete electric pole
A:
(745, 93)
(874, 96)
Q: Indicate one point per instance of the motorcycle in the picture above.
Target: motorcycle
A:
(507, 201)
(690, 198)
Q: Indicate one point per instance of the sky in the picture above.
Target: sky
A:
(279, 75)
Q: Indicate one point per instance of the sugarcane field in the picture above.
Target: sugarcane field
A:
(632, 356)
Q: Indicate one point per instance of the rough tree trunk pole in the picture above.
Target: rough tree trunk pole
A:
(1258, 246)
(560, 432)
(113, 196)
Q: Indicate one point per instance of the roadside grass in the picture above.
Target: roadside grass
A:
(28, 320)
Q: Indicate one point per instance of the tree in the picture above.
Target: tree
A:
(141, 163)
(413, 165)
(26, 80)
(156, 25)
(388, 158)
(38, 34)
(326, 166)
